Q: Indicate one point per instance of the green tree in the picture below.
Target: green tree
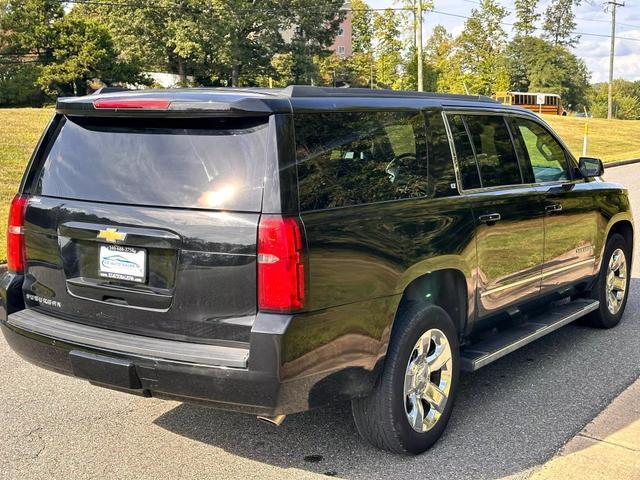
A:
(221, 42)
(526, 17)
(26, 43)
(626, 101)
(478, 64)
(555, 69)
(18, 84)
(82, 51)
(362, 26)
(559, 22)
(29, 27)
(520, 53)
(388, 56)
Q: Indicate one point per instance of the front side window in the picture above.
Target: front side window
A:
(546, 155)
(354, 158)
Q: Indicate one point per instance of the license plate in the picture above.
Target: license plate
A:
(123, 263)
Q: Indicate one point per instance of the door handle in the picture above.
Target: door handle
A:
(489, 218)
(556, 207)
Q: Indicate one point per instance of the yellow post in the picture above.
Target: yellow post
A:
(270, 82)
(586, 133)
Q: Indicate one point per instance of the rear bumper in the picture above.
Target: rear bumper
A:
(260, 377)
(214, 375)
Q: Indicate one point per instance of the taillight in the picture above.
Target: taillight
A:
(133, 104)
(15, 234)
(281, 276)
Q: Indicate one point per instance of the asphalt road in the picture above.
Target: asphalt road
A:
(510, 417)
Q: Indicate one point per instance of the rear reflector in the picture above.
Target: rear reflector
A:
(133, 104)
(281, 275)
(15, 234)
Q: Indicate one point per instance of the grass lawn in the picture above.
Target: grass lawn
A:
(20, 129)
(609, 140)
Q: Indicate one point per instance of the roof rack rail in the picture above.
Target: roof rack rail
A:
(302, 91)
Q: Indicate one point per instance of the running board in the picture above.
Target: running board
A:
(479, 354)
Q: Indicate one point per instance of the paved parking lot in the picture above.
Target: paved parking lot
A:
(510, 417)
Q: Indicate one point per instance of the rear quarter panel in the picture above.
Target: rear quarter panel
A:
(360, 261)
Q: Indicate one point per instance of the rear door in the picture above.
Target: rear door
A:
(148, 225)
(571, 218)
(508, 212)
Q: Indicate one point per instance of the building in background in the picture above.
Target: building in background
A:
(343, 44)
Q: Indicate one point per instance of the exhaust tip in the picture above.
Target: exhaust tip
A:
(276, 420)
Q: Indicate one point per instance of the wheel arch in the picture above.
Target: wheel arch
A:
(446, 288)
(622, 224)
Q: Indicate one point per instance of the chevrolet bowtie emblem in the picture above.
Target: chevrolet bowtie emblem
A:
(111, 235)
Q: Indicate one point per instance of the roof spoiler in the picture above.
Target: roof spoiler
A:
(170, 105)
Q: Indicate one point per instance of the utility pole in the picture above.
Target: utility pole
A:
(613, 4)
(419, 42)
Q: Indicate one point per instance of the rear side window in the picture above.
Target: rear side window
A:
(355, 158)
(442, 176)
(486, 154)
(494, 150)
(469, 173)
(216, 163)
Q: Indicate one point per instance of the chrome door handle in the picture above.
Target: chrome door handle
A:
(556, 207)
(489, 218)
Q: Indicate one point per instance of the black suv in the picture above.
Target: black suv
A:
(272, 251)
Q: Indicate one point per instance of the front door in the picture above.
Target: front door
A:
(570, 215)
(508, 213)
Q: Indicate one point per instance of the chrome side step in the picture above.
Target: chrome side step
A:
(479, 354)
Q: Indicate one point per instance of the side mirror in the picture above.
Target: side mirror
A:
(590, 167)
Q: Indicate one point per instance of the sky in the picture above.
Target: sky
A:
(590, 17)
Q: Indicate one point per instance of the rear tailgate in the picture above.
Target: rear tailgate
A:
(148, 226)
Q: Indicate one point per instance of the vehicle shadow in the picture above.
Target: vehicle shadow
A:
(510, 416)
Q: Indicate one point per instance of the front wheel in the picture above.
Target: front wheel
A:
(412, 402)
(612, 286)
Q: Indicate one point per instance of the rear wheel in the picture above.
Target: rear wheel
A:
(412, 402)
(612, 286)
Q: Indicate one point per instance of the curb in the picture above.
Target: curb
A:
(619, 163)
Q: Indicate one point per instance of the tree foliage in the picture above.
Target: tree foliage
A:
(55, 53)
(362, 26)
(559, 22)
(526, 17)
(224, 42)
(386, 26)
(478, 64)
(626, 99)
(537, 65)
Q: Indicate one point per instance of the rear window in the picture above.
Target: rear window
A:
(216, 163)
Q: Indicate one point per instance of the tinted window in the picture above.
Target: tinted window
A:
(353, 158)
(199, 163)
(442, 176)
(494, 150)
(464, 152)
(546, 155)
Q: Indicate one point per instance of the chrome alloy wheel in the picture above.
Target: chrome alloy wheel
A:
(616, 281)
(427, 380)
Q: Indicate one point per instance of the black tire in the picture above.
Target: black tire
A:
(602, 317)
(380, 417)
